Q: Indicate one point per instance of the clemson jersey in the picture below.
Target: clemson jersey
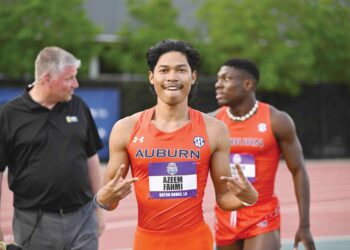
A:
(173, 169)
(254, 147)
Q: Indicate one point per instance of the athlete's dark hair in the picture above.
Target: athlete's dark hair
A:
(245, 65)
(168, 45)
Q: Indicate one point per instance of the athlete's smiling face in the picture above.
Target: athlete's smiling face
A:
(172, 78)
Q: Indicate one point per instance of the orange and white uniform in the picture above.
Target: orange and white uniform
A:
(173, 170)
(255, 148)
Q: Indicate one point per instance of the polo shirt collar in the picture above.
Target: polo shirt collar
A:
(29, 101)
(32, 104)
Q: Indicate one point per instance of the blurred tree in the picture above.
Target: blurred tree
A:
(28, 26)
(150, 22)
(292, 41)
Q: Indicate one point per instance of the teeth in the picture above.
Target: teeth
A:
(172, 88)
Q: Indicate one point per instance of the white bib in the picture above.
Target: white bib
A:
(247, 164)
(170, 180)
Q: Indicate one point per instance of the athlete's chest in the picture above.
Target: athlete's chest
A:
(192, 145)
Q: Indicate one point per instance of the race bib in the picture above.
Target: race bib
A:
(247, 164)
(171, 180)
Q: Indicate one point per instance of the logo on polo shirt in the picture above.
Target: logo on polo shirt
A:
(71, 119)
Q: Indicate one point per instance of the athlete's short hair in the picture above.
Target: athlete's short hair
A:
(245, 65)
(169, 45)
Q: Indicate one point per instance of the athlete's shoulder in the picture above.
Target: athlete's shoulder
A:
(214, 113)
(217, 132)
(281, 122)
(213, 124)
(122, 130)
(279, 116)
(128, 122)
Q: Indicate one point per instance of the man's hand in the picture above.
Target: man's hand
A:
(304, 235)
(116, 189)
(241, 187)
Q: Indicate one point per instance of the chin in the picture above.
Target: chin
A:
(68, 98)
(221, 102)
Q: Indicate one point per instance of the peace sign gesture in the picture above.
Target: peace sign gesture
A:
(115, 190)
(241, 187)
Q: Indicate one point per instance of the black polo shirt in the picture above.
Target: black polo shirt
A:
(46, 152)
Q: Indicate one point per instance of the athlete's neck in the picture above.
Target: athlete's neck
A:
(170, 118)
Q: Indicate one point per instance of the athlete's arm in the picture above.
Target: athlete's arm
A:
(230, 191)
(116, 187)
(284, 130)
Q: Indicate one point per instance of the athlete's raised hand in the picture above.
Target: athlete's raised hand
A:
(241, 187)
(115, 190)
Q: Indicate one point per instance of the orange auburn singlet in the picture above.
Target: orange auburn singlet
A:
(173, 170)
(254, 146)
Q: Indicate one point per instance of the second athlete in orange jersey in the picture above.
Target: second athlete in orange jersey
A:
(259, 134)
(255, 148)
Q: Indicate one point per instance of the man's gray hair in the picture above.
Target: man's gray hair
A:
(53, 60)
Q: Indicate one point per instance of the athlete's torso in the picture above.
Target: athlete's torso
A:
(173, 170)
(253, 142)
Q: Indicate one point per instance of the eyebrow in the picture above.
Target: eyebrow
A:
(178, 66)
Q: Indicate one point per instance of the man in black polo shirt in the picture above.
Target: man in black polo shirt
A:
(49, 142)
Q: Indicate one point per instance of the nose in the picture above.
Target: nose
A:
(172, 76)
(218, 84)
(75, 84)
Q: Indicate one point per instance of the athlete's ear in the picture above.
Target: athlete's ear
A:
(248, 84)
(150, 76)
(194, 77)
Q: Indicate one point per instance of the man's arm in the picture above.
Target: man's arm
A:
(94, 169)
(95, 173)
(230, 191)
(116, 187)
(284, 130)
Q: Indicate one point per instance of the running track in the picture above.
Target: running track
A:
(330, 208)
